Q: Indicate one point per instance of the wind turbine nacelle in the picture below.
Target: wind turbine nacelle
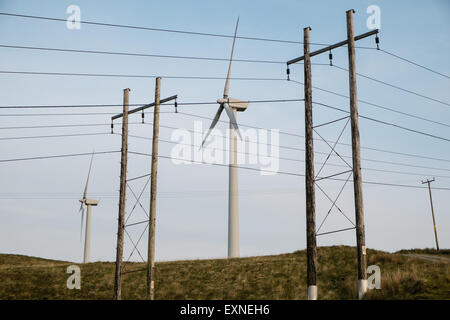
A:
(234, 103)
(91, 202)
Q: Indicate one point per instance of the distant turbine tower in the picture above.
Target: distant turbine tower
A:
(231, 107)
(89, 203)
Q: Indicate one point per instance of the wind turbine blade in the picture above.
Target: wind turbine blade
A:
(87, 180)
(213, 124)
(227, 82)
(230, 114)
(82, 220)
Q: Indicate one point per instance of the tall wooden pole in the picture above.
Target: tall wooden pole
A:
(122, 197)
(311, 249)
(432, 213)
(153, 185)
(359, 209)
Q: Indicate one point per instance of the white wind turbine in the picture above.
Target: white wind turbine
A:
(231, 107)
(89, 203)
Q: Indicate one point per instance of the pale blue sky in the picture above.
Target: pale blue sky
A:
(192, 203)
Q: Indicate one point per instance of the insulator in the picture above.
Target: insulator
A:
(176, 106)
(330, 56)
(112, 128)
(142, 116)
(288, 72)
(377, 41)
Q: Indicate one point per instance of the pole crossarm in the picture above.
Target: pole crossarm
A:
(340, 230)
(333, 175)
(139, 177)
(136, 223)
(428, 181)
(333, 46)
(330, 122)
(144, 107)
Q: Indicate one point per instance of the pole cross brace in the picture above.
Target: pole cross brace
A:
(335, 231)
(333, 175)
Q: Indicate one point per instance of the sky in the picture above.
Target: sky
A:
(39, 198)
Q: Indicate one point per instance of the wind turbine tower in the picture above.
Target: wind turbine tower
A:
(231, 106)
(87, 202)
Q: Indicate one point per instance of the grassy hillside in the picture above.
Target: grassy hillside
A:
(267, 277)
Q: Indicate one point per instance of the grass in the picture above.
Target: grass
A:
(441, 252)
(266, 277)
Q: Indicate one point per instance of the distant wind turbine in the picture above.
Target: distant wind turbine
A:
(231, 107)
(89, 203)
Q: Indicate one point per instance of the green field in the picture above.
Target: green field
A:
(410, 274)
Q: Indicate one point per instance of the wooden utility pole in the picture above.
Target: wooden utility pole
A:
(122, 197)
(359, 212)
(151, 237)
(153, 185)
(357, 183)
(432, 212)
(311, 249)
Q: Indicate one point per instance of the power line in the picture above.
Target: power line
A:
(281, 158)
(396, 87)
(66, 114)
(199, 116)
(61, 126)
(137, 104)
(135, 76)
(341, 143)
(57, 156)
(159, 29)
(414, 63)
(214, 78)
(193, 131)
(289, 159)
(55, 114)
(324, 153)
(148, 55)
(68, 106)
(193, 161)
(56, 136)
(386, 123)
(287, 173)
(378, 106)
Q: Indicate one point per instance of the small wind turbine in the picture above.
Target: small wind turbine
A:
(89, 203)
(231, 107)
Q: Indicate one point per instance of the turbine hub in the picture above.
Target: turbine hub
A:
(239, 105)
